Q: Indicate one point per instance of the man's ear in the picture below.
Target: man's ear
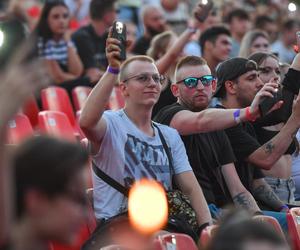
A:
(230, 87)
(214, 86)
(123, 88)
(175, 89)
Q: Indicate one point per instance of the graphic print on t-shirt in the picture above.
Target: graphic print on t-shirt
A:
(143, 160)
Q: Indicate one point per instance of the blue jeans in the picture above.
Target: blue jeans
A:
(216, 213)
(283, 188)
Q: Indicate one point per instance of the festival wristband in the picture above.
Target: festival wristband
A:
(202, 227)
(113, 71)
(236, 116)
(249, 116)
(283, 207)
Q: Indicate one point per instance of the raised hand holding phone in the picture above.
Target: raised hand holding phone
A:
(202, 10)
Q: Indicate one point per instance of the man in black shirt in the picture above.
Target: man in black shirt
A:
(238, 83)
(91, 40)
(210, 154)
(154, 23)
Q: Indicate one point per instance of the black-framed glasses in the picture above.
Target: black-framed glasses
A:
(145, 78)
(192, 82)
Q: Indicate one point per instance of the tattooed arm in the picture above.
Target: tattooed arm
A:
(240, 195)
(264, 193)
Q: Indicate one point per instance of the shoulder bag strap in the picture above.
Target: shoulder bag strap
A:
(110, 181)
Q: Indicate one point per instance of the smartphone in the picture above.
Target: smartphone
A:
(119, 32)
(268, 102)
(206, 8)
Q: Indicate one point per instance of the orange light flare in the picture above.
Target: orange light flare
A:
(147, 206)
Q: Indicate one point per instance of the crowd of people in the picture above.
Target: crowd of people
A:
(194, 83)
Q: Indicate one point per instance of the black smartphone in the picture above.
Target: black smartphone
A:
(119, 32)
(268, 102)
(205, 11)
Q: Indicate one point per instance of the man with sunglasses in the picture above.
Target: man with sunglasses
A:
(238, 83)
(209, 153)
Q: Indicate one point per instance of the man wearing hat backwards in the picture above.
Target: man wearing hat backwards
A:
(238, 83)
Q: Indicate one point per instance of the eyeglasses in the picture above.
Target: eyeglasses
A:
(192, 82)
(146, 78)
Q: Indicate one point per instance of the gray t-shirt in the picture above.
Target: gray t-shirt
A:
(127, 154)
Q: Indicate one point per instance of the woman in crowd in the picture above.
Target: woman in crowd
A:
(254, 41)
(55, 45)
(279, 177)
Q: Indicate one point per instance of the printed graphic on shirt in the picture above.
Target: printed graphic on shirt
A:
(143, 160)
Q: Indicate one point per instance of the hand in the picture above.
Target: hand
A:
(266, 91)
(67, 35)
(201, 11)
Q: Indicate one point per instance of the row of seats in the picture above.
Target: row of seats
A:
(58, 117)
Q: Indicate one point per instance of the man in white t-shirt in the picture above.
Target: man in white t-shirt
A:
(125, 144)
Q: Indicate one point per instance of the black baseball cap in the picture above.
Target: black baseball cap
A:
(231, 69)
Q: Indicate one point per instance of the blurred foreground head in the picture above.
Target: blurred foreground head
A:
(50, 186)
(238, 231)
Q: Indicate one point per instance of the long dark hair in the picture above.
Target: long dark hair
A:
(42, 29)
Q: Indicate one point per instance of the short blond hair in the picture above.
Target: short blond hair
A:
(124, 66)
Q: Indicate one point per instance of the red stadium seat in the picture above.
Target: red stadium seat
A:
(293, 218)
(57, 124)
(19, 128)
(116, 100)
(207, 234)
(79, 95)
(31, 110)
(272, 221)
(57, 99)
(174, 241)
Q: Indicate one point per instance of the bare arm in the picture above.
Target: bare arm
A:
(240, 195)
(270, 152)
(170, 57)
(57, 73)
(264, 193)
(188, 184)
(75, 66)
(33, 77)
(91, 121)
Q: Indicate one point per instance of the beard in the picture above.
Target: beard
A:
(153, 32)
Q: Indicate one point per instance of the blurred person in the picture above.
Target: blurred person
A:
(125, 144)
(154, 23)
(238, 83)
(131, 34)
(267, 24)
(239, 23)
(209, 153)
(55, 46)
(79, 9)
(213, 19)
(215, 45)
(90, 39)
(176, 14)
(254, 41)
(238, 231)
(283, 47)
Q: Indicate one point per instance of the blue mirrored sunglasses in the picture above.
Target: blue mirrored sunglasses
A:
(192, 82)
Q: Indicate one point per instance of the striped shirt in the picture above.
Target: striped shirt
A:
(53, 50)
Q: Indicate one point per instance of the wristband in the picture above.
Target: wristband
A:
(249, 116)
(236, 116)
(283, 207)
(192, 30)
(113, 71)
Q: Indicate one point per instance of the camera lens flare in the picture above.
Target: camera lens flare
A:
(1, 38)
(147, 206)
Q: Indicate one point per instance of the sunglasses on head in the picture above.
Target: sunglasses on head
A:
(192, 82)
